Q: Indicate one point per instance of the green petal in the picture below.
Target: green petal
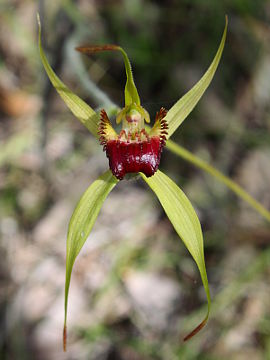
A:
(177, 114)
(87, 116)
(186, 223)
(81, 223)
(232, 185)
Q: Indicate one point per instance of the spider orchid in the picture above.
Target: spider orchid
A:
(136, 149)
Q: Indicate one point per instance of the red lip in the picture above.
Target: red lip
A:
(133, 152)
(134, 157)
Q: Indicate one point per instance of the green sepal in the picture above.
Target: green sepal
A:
(81, 224)
(131, 93)
(185, 222)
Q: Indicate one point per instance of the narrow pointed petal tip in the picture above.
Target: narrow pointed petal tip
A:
(38, 20)
(183, 107)
(83, 112)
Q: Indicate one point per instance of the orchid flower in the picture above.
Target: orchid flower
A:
(136, 149)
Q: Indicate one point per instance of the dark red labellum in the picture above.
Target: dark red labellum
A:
(133, 152)
(134, 157)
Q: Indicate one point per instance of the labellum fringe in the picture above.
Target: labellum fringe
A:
(133, 152)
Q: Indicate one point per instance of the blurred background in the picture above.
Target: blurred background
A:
(135, 290)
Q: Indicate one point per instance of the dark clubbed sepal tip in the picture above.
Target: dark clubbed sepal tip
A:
(65, 338)
(196, 330)
(90, 49)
